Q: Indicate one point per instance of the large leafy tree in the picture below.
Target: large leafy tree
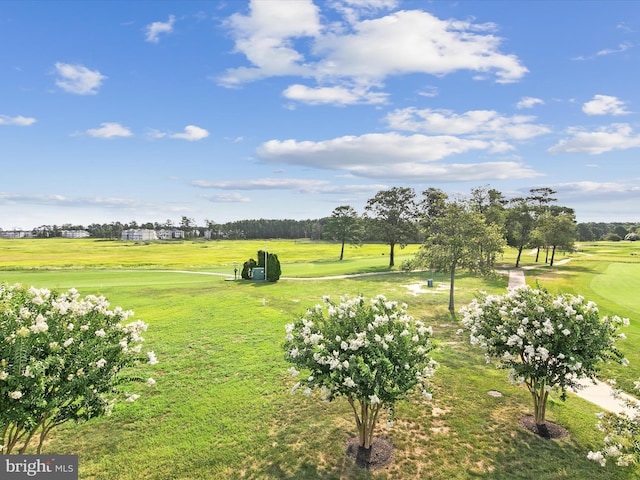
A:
(541, 199)
(345, 226)
(520, 223)
(460, 239)
(394, 215)
(556, 232)
(490, 203)
(431, 207)
(546, 342)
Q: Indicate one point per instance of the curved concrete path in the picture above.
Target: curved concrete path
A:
(599, 392)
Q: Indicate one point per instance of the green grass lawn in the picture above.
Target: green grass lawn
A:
(221, 408)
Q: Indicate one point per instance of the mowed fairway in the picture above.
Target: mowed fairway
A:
(620, 283)
(221, 408)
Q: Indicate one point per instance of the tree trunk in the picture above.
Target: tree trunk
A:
(537, 254)
(391, 254)
(451, 288)
(553, 254)
(342, 250)
(366, 420)
(540, 397)
(519, 254)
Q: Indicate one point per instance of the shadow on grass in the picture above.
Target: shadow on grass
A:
(525, 456)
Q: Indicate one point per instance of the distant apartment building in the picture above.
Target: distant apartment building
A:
(171, 234)
(15, 234)
(138, 234)
(74, 234)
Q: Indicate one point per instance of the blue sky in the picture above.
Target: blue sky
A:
(154, 110)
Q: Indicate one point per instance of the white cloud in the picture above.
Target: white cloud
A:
(19, 121)
(414, 42)
(227, 198)
(362, 52)
(369, 149)
(625, 27)
(78, 79)
(65, 201)
(333, 95)
(155, 29)
(429, 91)
(353, 10)
(586, 189)
(617, 136)
(301, 185)
(266, 35)
(602, 201)
(191, 133)
(604, 105)
(109, 130)
(529, 102)
(621, 48)
(455, 172)
(624, 46)
(394, 156)
(474, 123)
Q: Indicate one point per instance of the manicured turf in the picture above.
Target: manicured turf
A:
(222, 407)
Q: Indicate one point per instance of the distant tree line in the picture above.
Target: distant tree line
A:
(395, 217)
(614, 231)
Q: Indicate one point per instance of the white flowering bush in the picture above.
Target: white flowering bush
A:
(548, 342)
(61, 358)
(622, 432)
(369, 351)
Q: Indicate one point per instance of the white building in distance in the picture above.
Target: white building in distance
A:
(138, 234)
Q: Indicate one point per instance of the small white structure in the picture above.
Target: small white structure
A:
(75, 234)
(172, 234)
(15, 234)
(139, 234)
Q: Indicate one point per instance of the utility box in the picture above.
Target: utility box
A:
(257, 273)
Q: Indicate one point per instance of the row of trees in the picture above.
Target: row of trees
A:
(459, 233)
(408, 218)
(616, 231)
(398, 217)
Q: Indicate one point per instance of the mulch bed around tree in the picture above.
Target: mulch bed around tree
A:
(378, 456)
(554, 431)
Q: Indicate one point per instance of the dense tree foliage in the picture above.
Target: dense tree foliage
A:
(394, 216)
(460, 237)
(593, 231)
(345, 226)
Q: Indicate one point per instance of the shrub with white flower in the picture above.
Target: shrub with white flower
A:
(369, 351)
(622, 433)
(548, 342)
(62, 358)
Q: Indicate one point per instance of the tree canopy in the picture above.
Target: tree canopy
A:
(394, 214)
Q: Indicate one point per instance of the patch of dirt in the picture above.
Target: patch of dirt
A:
(440, 430)
(553, 430)
(378, 456)
(438, 412)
